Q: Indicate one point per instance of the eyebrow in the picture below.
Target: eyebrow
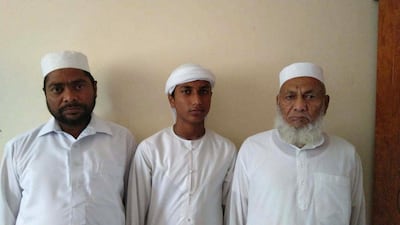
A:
(201, 87)
(73, 82)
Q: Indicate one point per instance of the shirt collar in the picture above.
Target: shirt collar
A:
(280, 142)
(96, 125)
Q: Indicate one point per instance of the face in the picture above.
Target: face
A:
(70, 96)
(302, 100)
(192, 101)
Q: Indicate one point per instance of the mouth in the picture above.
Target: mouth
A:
(71, 109)
(196, 111)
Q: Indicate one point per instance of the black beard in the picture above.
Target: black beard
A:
(84, 118)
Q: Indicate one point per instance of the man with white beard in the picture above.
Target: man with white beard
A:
(296, 174)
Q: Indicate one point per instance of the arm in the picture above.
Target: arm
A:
(238, 202)
(357, 195)
(131, 146)
(10, 191)
(226, 187)
(139, 188)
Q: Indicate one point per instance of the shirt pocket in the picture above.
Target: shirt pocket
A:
(107, 182)
(111, 174)
(332, 198)
(110, 168)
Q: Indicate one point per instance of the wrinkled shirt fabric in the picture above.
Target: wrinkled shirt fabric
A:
(49, 177)
(174, 181)
(276, 183)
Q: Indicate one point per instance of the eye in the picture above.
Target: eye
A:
(204, 91)
(309, 96)
(79, 85)
(290, 97)
(56, 89)
(186, 91)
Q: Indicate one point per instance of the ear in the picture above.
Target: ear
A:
(171, 101)
(95, 87)
(277, 100)
(326, 101)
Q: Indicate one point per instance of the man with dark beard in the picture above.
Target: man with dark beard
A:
(296, 173)
(74, 168)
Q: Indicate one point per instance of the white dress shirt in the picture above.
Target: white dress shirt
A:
(174, 181)
(50, 178)
(276, 183)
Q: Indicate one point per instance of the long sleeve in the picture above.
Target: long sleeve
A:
(226, 189)
(10, 191)
(238, 203)
(358, 216)
(131, 153)
(139, 189)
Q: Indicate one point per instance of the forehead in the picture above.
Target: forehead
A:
(195, 84)
(302, 83)
(66, 75)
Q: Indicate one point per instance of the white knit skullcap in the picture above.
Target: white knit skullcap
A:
(65, 59)
(188, 73)
(300, 69)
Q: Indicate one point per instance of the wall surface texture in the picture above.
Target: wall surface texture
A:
(134, 45)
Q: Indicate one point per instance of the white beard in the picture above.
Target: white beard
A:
(309, 134)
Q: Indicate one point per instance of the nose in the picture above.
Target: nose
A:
(69, 95)
(196, 99)
(300, 105)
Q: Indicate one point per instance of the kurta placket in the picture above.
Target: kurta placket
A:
(190, 145)
(187, 179)
(79, 179)
(303, 195)
(77, 185)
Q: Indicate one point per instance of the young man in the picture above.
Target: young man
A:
(74, 168)
(296, 173)
(182, 174)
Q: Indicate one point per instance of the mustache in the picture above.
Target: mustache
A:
(62, 109)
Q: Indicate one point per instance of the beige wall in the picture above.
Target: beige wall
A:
(133, 46)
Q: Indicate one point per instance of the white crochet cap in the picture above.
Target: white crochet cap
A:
(188, 73)
(65, 59)
(301, 69)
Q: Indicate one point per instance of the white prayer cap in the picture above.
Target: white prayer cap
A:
(65, 59)
(301, 69)
(188, 73)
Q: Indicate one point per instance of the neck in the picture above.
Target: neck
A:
(74, 130)
(189, 132)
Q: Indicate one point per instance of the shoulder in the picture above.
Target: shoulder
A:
(165, 134)
(341, 148)
(259, 138)
(113, 127)
(339, 143)
(338, 139)
(23, 140)
(157, 140)
(257, 145)
(213, 136)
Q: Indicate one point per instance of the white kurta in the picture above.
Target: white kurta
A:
(49, 177)
(279, 184)
(175, 181)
